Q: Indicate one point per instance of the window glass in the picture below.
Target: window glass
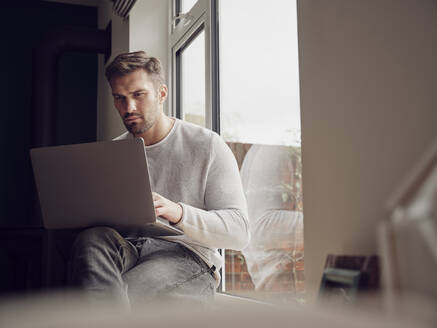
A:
(192, 84)
(259, 72)
(186, 5)
(260, 121)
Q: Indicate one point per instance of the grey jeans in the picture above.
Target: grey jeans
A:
(105, 264)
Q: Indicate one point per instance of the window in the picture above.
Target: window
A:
(194, 60)
(186, 5)
(191, 65)
(247, 69)
(260, 121)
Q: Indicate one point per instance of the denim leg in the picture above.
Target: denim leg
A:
(99, 258)
(167, 270)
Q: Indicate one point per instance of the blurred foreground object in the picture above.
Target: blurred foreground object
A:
(347, 277)
(408, 239)
(70, 310)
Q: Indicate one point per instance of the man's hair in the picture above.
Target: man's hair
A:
(129, 62)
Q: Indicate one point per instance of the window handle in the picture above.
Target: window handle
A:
(186, 18)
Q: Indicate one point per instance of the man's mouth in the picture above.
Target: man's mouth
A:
(131, 119)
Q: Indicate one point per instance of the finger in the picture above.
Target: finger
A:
(155, 195)
(159, 211)
(158, 203)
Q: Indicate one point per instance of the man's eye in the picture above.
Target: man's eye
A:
(140, 94)
(118, 97)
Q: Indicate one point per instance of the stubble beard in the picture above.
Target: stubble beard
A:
(143, 126)
(137, 129)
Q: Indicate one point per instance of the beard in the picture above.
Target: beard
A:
(137, 128)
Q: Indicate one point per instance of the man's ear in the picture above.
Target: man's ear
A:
(163, 93)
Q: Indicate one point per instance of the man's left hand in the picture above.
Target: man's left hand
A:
(166, 208)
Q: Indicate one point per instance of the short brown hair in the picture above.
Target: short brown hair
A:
(129, 62)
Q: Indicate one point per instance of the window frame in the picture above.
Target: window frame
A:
(202, 16)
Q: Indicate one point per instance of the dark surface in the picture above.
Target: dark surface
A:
(30, 256)
(21, 254)
(23, 24)
(368, 266)
(47, 65)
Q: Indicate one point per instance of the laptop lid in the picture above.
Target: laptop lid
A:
(97, 184)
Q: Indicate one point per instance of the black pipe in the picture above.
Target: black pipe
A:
(46, 55)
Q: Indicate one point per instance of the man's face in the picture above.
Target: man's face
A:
(138, 100)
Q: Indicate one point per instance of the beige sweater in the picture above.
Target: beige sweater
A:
(194, 167)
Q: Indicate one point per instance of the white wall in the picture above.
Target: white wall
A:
(368, 103)
(109, 124)
(146, 29)
(149, 24)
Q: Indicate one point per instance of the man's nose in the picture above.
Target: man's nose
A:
(131, 106)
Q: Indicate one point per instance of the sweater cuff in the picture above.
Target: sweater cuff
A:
(180, 224)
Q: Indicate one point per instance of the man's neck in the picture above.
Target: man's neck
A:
(158, 131)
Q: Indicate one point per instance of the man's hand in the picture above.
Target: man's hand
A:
(166, 208)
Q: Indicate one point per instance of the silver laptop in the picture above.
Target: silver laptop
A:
(98, 184)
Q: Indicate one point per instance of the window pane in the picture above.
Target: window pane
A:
(259, 72)
(192, 82)
(260, 121)
(186, 5)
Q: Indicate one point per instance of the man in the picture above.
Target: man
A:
(196, 187)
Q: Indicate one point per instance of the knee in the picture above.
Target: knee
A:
(96, 236)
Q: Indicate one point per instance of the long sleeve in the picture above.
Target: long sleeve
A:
(276, 229)
(223, 223)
